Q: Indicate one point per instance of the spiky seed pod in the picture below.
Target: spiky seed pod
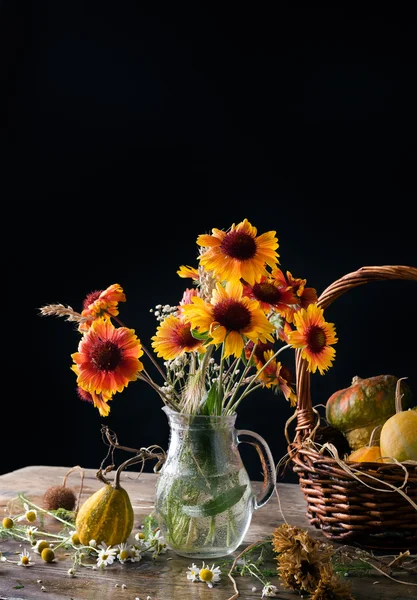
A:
(59, 496)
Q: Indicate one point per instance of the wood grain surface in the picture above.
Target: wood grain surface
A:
(165, 577)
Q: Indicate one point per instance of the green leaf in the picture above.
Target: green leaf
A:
(218, 505)
(214, 402)
(200, 336)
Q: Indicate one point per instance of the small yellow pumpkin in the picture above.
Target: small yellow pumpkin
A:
(106, 516)
(365, 454)
(399, 433)
(369, 453)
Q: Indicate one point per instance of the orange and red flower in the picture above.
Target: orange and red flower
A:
(101, 304)
(229, 318)
(174, 337)
(107, 358)
(238, 253)
(314, 336)
(304, 295)
(274, 374)
(272, 295)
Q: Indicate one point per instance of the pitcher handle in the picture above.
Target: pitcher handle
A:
(268, 466)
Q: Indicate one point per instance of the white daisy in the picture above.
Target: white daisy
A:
(156, 543)
(192, 572)
(135, 554)
(106, 555)
(138, 540)
(25, 559)
(269, 591)
(209, 575)
(30, 532)
(124, 553)
(30, 514)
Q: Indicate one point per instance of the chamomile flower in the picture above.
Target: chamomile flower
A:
(135, 554)
(156, 543)
(30, 514)
(193, 572)
(269, 591)
(209, 575)
(25, 559)
(124, 553)
(30, 532)
(139, 540)
(106, 555)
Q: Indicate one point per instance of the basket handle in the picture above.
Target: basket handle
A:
(305, 414)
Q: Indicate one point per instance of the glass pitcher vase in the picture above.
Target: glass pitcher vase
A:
(203, 499)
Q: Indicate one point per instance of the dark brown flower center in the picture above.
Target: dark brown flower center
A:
(106, 356)
(316, 339)
(239, 245)
(90, 298)
(185, 338)
(266, 292)
(232, 315)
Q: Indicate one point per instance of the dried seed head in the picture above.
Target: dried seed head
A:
(59, 497)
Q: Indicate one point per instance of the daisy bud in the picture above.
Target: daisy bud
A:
(48, 555)
(7, 523)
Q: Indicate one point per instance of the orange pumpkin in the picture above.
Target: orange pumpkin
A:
(365, 454)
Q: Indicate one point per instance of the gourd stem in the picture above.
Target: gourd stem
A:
(372, 441)
(130, 461)
(398, 395)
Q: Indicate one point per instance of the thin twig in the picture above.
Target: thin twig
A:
(386, 574)
(236, 594)
(77, 467)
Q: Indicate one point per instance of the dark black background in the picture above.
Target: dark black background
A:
(131, 128)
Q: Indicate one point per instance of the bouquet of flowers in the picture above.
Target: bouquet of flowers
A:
(219, 344)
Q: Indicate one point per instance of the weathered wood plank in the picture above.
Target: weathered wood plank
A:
(164, 578)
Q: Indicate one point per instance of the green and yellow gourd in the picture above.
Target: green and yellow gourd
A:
(106, 516)
(398, 438)
(367, 403)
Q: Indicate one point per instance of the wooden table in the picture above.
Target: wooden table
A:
(164, 578)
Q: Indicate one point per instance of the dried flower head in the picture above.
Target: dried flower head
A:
(300, 557)
(331, 586)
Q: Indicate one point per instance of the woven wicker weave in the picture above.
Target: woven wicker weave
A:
(338, 504)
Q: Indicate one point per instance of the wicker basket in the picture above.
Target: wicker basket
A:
(345, 509)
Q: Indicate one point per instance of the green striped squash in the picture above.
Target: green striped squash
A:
(106, 516)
